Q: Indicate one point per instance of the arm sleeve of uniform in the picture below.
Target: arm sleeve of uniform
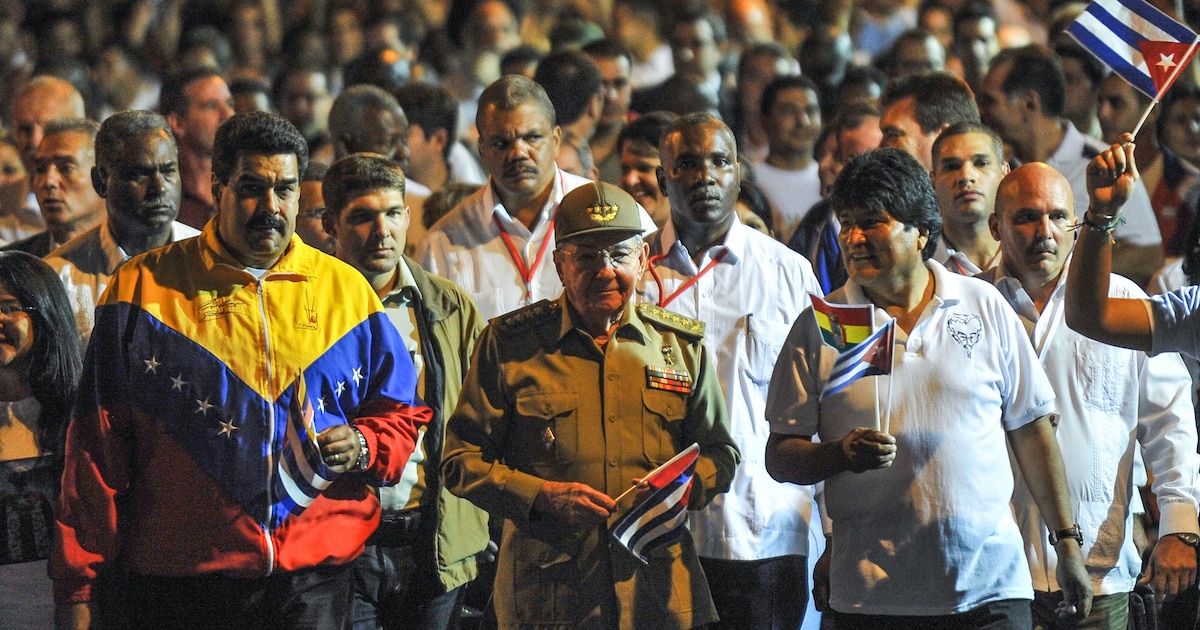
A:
(391, 415)
(98, 463)
(473, 466)
(1167, 433)
(1175, 324)
(708, 425)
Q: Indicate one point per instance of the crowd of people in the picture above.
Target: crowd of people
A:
(348, 314)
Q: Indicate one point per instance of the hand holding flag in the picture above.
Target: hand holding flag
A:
(659, 517)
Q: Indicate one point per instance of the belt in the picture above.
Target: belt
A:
(397, 529)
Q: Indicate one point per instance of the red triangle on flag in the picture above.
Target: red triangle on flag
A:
(1163, 60)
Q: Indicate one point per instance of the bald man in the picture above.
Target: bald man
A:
(1111, 402)
(43, 98)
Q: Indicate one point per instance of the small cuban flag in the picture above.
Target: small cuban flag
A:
(861, 351)
(1138, 41)
(659, 518)
(301, 472)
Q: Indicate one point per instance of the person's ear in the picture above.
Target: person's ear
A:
(100, 182)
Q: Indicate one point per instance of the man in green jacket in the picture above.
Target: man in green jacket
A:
(414, 568)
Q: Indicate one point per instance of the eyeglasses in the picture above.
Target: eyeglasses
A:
(12, 308)
(617, 255)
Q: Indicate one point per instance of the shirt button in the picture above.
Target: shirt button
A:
(612, 376)
(613, 462)
(547, 409)
(612, 417)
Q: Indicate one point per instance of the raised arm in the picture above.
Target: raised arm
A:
(1111, 177)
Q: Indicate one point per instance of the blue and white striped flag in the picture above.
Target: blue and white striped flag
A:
(1139, 42)
(871, 357)
(302, 474)
(658, 519)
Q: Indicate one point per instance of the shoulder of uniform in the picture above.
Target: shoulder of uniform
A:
(669, 319)
(526, 316)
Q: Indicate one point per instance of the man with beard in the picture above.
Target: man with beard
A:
(241, 392)
(494, 243)
(570, 403)
(137, 175)
(747, 288)
(1112, 402)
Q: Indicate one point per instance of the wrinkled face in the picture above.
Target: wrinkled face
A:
(965, 176)
(62, 179)
(1034, 216)
(310, 218)
(517, 148)
(256, 208)
(209, 105)
(142, 190)
(600, 271)
(16, 331)
(901, 131)
(639, 178)
(794, 122)
(1181, 129)
(371, 231)
(700, 174)
(695, 50)
(30, 115)
(998, 110)
(1117, 107)
(618, 91)
(877, 249)
(1079, 91)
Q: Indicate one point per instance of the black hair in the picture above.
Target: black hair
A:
(256, 132)
(890, 180)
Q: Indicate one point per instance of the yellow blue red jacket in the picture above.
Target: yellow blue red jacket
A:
(203, 388)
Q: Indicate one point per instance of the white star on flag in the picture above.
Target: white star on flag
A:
(202, 406)
(227, 428)
(1166, 62)
(151, 364)
(357, 375)
(321, 404)
(177, 383)
(341, 387)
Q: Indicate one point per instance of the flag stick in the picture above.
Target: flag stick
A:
(1145, 115)
(887, 421)
(875, 384)
(636, 484)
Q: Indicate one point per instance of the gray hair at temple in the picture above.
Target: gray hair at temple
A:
(121, 126)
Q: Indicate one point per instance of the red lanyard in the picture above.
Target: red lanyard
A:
(519, 260)
(664, 301)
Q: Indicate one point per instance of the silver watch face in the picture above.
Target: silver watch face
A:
(1189, 539)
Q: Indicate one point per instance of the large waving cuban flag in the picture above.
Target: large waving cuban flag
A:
(1139, 42)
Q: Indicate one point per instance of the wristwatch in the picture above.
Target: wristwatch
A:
(1188, 538)
(1070, 532)
(364, 453)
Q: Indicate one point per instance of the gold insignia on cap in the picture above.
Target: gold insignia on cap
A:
(602, 212)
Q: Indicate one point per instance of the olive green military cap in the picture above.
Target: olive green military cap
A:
(596, 207)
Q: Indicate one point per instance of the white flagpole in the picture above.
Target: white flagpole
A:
(887, 422)
(1170, 82)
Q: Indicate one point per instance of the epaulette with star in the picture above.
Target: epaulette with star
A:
(693, 328)
(525, 316)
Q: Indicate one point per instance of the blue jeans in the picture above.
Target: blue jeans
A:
(390, 591)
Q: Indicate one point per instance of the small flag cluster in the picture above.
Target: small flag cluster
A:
(861, 351)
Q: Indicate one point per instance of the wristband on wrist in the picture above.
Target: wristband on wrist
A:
(1102, 223)
(1069, 532)
(364, 453)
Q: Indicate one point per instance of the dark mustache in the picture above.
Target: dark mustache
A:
(1043, 247)
(271, 221)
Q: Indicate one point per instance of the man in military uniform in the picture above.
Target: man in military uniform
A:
(566, 405)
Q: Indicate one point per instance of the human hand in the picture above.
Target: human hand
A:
(868, 449)
(1111, 177)
(576, 504)
(339, 447)
(1074, 580)
(488, 554)
(820, 578)
(1172, 567)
